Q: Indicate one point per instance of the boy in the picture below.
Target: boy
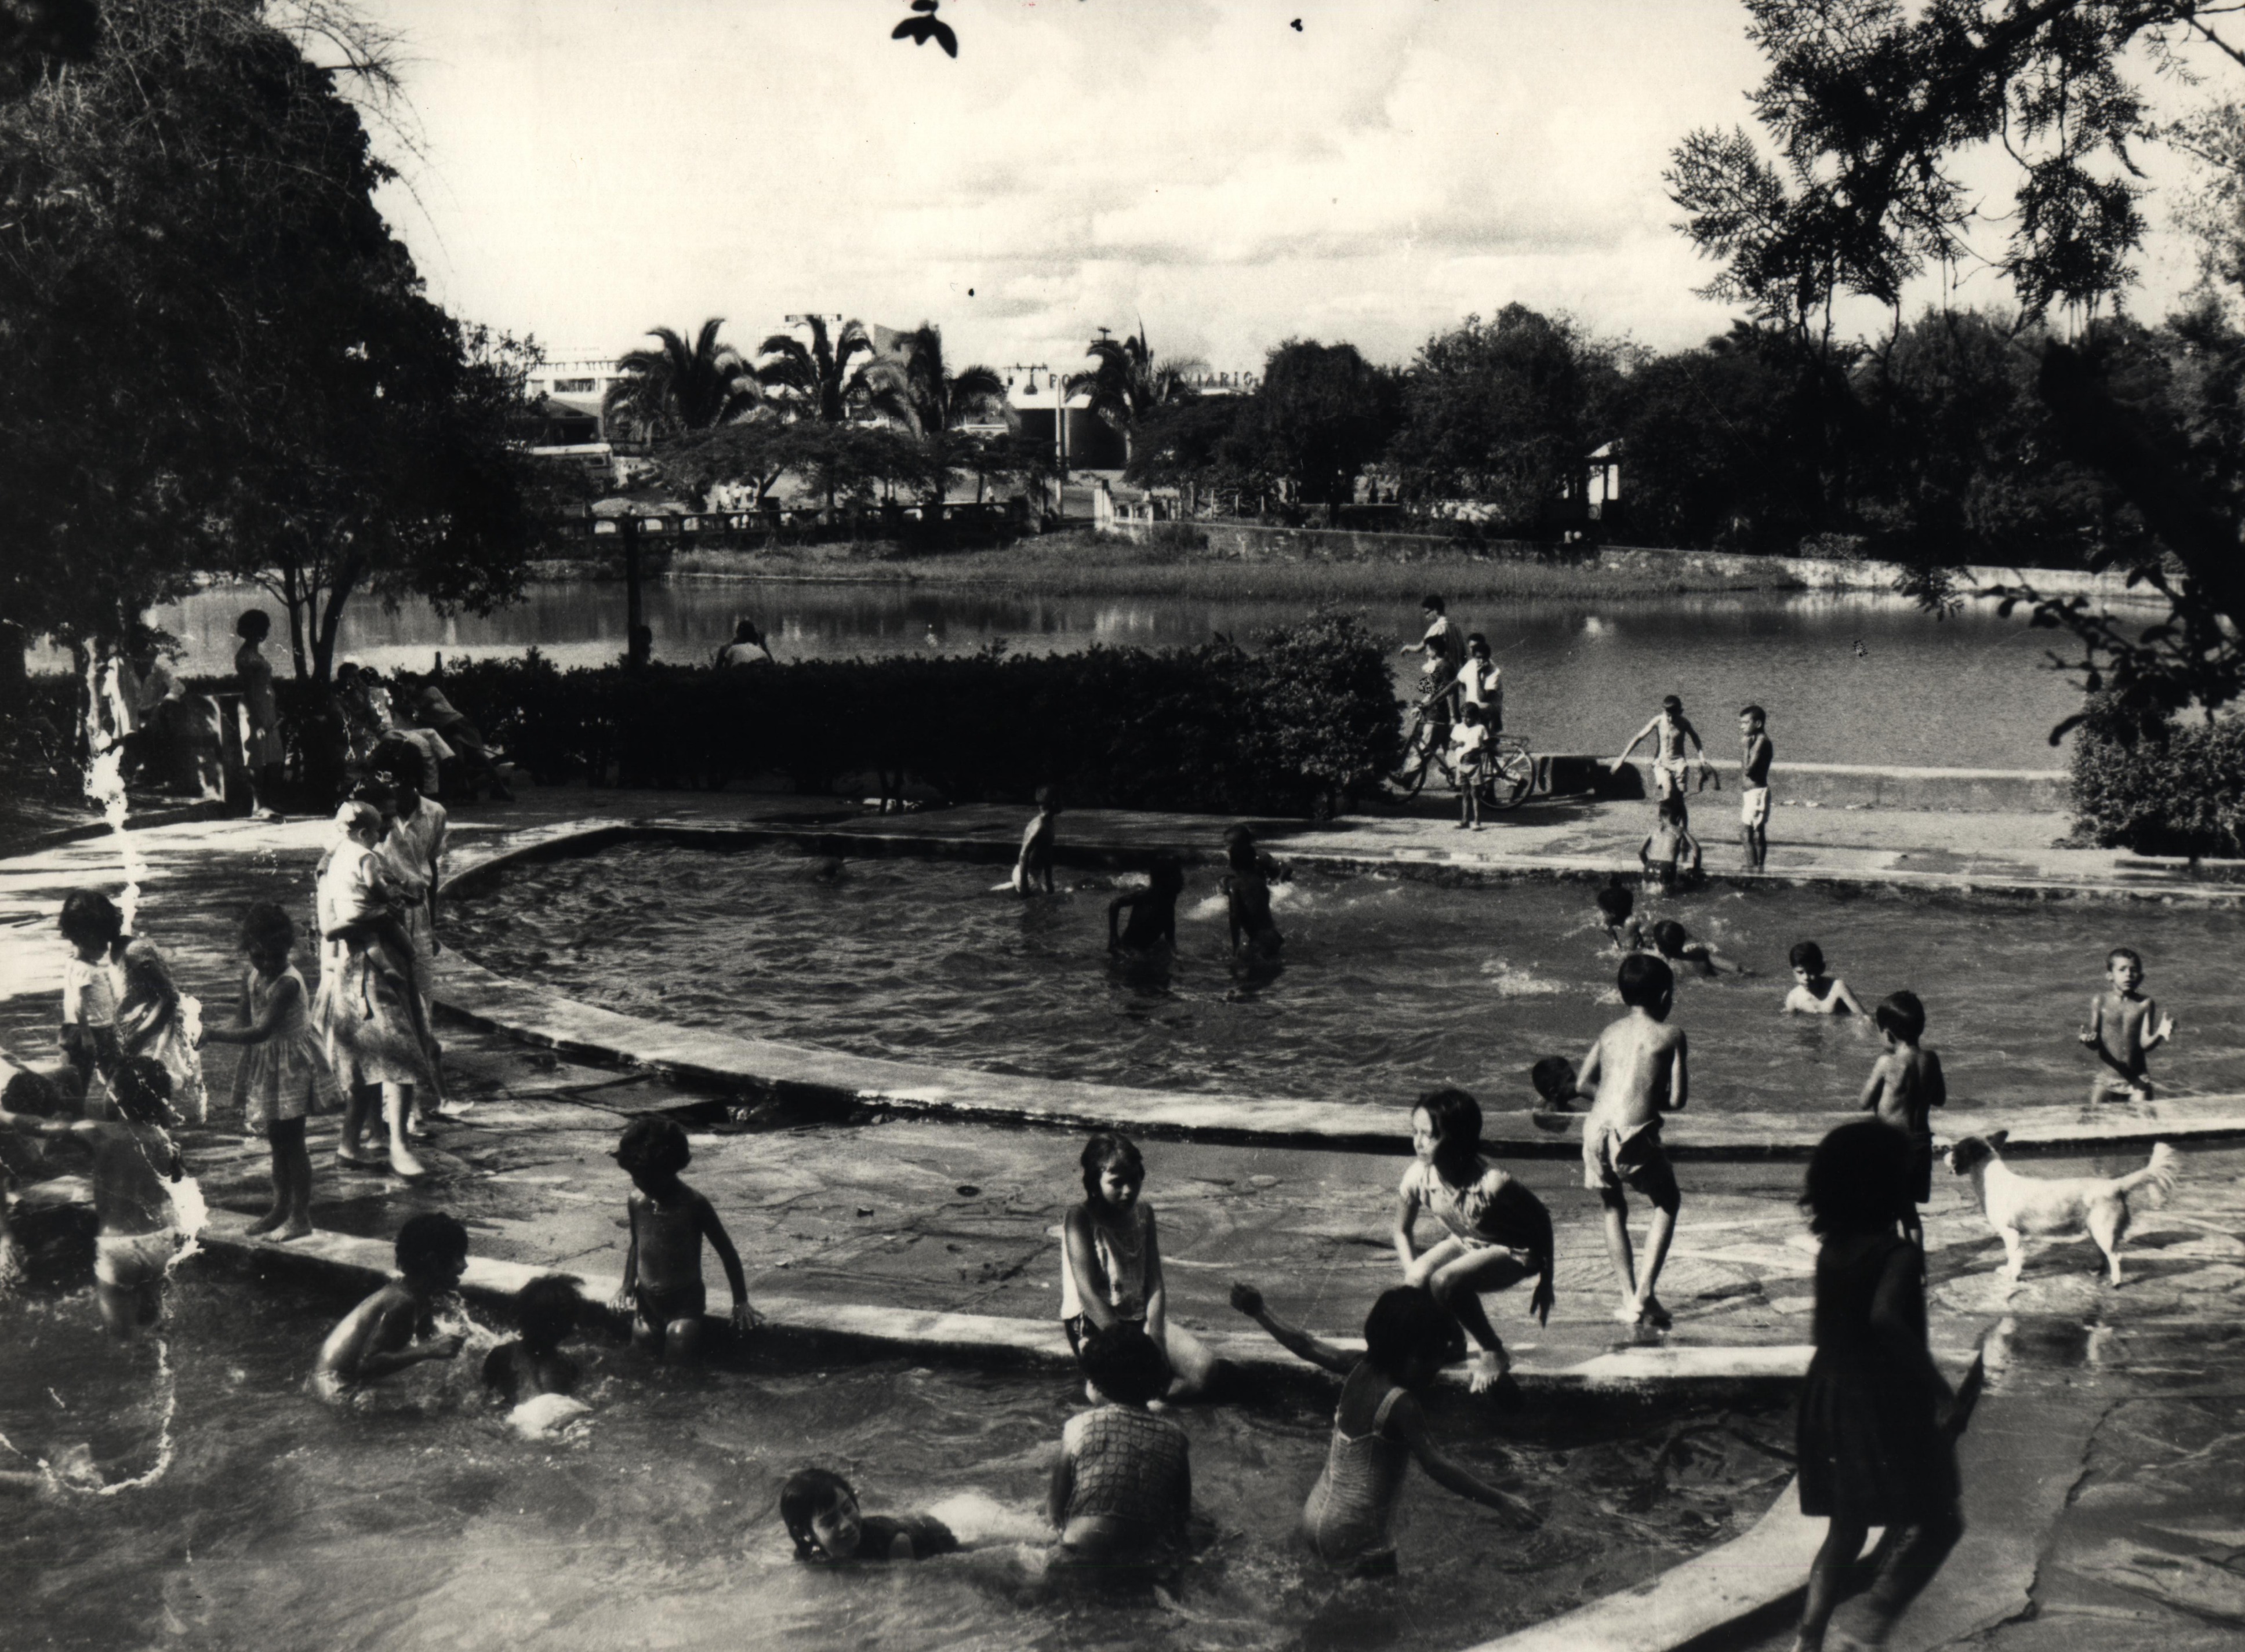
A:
(662, 1288)
(1035, 862)
(1676, 945)
(546, 1313)
(1670, 854)
(1479, 683)
(1813, 992)
(1122, 1490)
(1556, 1088)
(395, 1328)
(1638, 1070)
(135, 1237)
(1668, 731)
(1467, 741)
(1616, 905)
(95, 931)
(1756, 753)
(2116, 1030)
(1904, 1087)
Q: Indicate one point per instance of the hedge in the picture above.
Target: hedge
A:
(2172, 787)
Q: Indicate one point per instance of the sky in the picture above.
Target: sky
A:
(583, 170)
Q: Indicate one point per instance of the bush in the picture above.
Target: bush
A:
(1301, 728)
(2168, 789)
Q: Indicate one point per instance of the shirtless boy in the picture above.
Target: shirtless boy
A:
(395, 1328)
(1903, 1089)
(1668, 731)
(1637, 1070)
(662, 1288)
(1755, 756)
(2118, 1032)
(1247, 899)
(1034, 864)
(1670, 854)
(1815, 991)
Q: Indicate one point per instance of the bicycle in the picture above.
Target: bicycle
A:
(1425, 745)
(1507, 771)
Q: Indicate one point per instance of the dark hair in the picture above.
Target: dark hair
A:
(1475, 640)
(1124, 1364)
(653, 1143)
(1553, 1077)
(1239, 832)
(1644, 980)
(2128, 953)
(1755, 712)
(1670, 702)
(1858, 1179)
(1408, 1321)
(1672, 807)
(744, 629)
(32, 1093)
(1455, 1118)
(1167, 872)
(1616, 901)
(1470, 712)
(141, 1089)
(428, 1241)
(395, 763)
(1806, 955)
(1430, 600)
(267, 925)
(88, 914)
(1106, 1148)
(1900, 1014)
(1048, 798)
(255, 624)
(1668, 935)
(546, 1310)
(808, 1493)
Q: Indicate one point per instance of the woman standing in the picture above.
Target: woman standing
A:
(262, 753)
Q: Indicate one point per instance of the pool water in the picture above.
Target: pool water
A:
(280, 1523)
(1389, 986)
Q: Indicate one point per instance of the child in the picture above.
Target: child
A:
(662, 1286)
(1111, 1265)
(1902, 1090)
(1468, 740)
(1670, 854)
(411, 857)
(2116, 1030)
(820, 1511)
(150, 1022)
(1121, 1489)
(136, 1232)
(1153, 911)
(1440, 640)
(1668, 731)
(1616, 905)
(1554, 1079)
(395, 1328)
(283, 1077)
(1499, 1233)
(545, 1315)
(1755, 756)
(1378, 1428)
(1034, 864)
(1639, 1071)
(1672, 943)
(1480, 684)
(1876, 1446)
(1813, 992)
(1247, 899)
(93, 927)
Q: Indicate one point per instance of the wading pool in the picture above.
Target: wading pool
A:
(1388, 986)
(279, 1523)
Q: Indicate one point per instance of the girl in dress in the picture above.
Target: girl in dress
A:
(1877, 1444)
(1111, 1266)
(283, 1077)
(264, 754)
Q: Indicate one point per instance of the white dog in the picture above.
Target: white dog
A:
(2016, 1206)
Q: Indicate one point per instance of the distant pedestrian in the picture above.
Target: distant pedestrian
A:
(747, 646)
(262, 753)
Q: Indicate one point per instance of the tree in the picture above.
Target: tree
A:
(679, 386)
(838, 458)
(1324, 413)
(914, 390)
(818, 381)
(1129, 386)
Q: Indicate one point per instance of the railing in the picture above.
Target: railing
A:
(998, 517)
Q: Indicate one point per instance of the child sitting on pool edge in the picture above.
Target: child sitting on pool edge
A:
(1111, 1266)
(820, 1511)
(662, 1288)
(395, 1328)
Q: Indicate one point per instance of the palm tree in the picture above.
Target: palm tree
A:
(913, 389)
(1127, 385)
(819, 376)
(681, 387)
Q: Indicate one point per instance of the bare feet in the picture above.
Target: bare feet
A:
(1629, 1313)
(269, 1222)
(1486, 1369)
(298, 1228)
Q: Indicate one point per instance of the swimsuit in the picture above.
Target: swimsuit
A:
(1615, 1158)
(1753, 806)
(127, 1260)
(662, 1306)
(1353, 1505)
(1129, 1468)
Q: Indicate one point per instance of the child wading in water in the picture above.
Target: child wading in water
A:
(1247, 898)
(1674, 943)
(1878, 1444)
(1616, 909)
(283, 1077)
(546, 1314)
(395, 1328)
(1469, 748)
(2124, 1028)
(1815, 991)
(152, 1022)
(1379, 1427)
(1668, 731)
(1153, 911)
(1670, 854)
(1637, 1070)
(1122, 1488)
(1499, 1233)
(662, 1288)
(820, 1511)
(1111, 1265)
(1033, 866)
(1903, 1089)
(91, 925)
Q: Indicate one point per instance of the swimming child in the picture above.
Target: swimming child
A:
(1674, 943)
(152, 1022)
(1153, 911)
(1553, 1079)
(283, 1077)
(820, 1510)
(1111, 1263)
(1247, 899)
(94, 929)
(411, 856)
(1468, 745)
(1877, 1438)
(1616, 904)
(1379, 1427)
(545, 1315)
(395, 1328)
(1668, 731)
(1670, 854)
(1903, 1089)
(1499, 1233)
(136, 1233)
(1640, 1070)
(2116, 1031)
(1755, 756)
(1034, 864)
(1815, 992)
(1122, 1488)
(662, 1288)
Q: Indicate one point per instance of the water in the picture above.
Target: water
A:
(1968, 692)
(1389, 986)
(654, 1522)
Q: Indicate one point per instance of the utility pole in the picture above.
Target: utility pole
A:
(1060, 408)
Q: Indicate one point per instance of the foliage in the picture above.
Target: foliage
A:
(845, 460)
(921, 396)
(37, 36)
(1324, 413)
(817, 379)
(2159, 786)
(679, 386)
(1208, 440)
(1128, 386)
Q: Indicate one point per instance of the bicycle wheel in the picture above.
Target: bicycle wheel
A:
(1510, 775)
(1418, 756)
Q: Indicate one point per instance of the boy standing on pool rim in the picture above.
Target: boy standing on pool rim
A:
(1755, 756)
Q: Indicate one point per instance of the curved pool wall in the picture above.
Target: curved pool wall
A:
(819, 1082)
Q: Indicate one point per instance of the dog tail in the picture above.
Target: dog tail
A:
(2157, 1178)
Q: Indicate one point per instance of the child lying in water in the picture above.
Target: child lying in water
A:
(820, 1510)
